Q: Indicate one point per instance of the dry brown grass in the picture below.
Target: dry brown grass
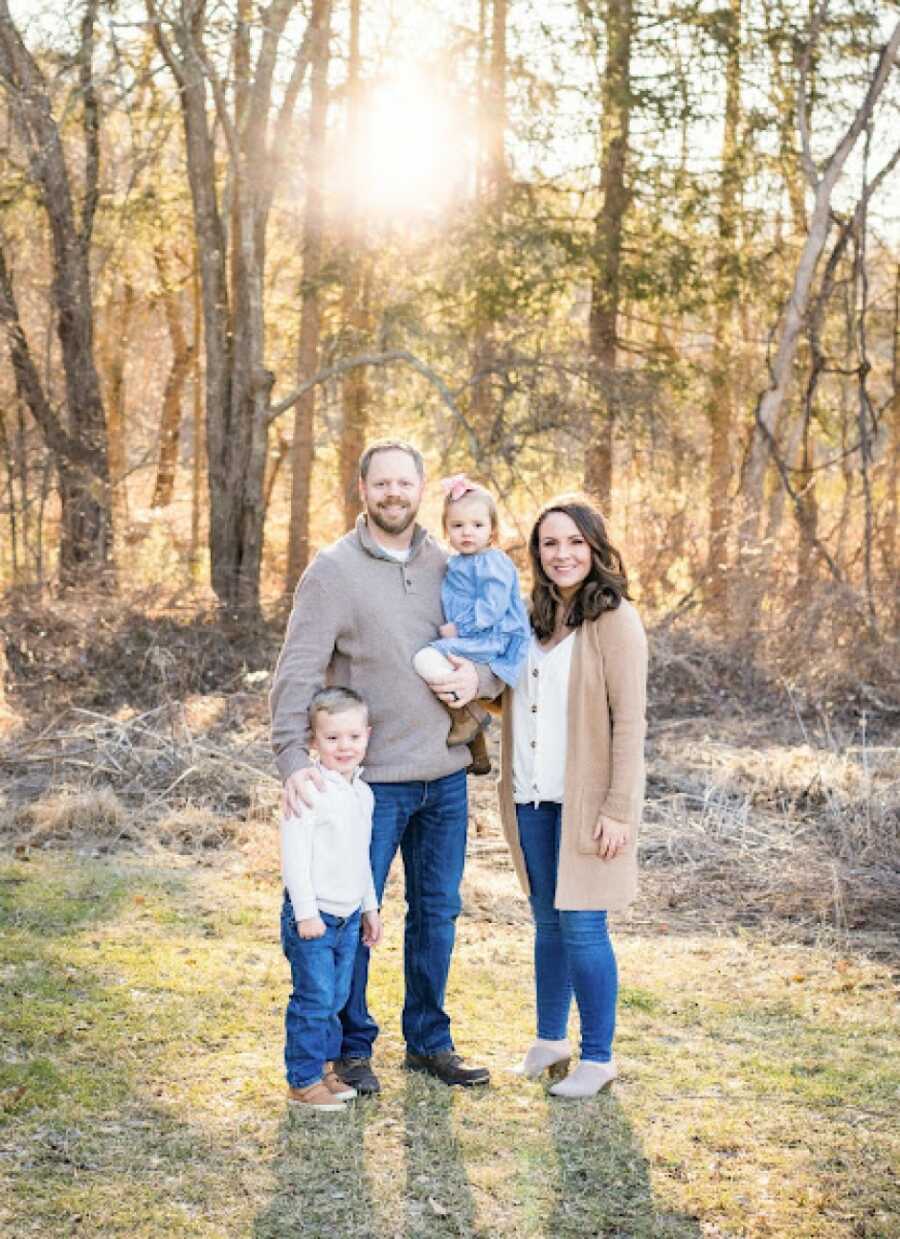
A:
(763, 801)
(70, 816)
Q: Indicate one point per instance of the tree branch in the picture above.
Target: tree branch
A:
(381, 359)
(806, 157)
(29, 385)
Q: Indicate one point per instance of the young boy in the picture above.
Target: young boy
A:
(329, 890)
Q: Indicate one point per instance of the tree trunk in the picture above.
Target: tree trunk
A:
(720, 408)
(891, 535)
(493, 183)
(81, 445)
(355, 301)
(115, 350)
(607, 248)
(312, 246)
(199, 424)
(182, 360)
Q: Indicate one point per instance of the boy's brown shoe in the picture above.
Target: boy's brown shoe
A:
(317, 1098)
(336, 1086)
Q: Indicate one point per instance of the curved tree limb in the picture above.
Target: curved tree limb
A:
(381, 359)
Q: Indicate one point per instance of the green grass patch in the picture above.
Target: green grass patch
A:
(141, 1089)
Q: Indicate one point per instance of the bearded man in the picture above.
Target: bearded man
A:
(363, 608)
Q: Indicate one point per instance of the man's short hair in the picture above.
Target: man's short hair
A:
(390, 445)
(334, 700)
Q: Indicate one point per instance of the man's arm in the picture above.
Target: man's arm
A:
(301, 668)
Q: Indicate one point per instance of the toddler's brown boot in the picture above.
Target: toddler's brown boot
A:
(481, 762)
(467, 723)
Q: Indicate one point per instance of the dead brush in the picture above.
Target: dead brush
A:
(74, 816)
(160, 781)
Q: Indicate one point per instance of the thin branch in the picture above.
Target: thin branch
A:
(228, 126)
(381, 359)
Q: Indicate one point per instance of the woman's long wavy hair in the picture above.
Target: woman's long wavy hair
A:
(602, 589)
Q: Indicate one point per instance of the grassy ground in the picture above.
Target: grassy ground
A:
(141, 1090)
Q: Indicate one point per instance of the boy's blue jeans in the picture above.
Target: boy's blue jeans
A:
(572, 950)
(428, 822)
(320, 974)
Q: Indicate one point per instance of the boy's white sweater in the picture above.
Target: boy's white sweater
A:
(325, 851)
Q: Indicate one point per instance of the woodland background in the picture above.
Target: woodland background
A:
(650, 251)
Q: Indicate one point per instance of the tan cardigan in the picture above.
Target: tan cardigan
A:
(604, 763)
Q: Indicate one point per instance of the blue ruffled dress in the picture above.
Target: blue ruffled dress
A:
(481, 596)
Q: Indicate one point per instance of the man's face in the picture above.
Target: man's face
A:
(392, 490)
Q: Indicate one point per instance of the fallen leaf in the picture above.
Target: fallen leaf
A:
(12, 1096)
(438, 1208)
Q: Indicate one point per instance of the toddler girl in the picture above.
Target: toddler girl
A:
(485, 617)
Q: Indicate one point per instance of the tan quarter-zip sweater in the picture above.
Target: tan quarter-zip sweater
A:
(359, 617)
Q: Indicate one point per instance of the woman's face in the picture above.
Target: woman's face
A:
(565, 555)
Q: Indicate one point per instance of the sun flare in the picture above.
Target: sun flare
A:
(412, 156)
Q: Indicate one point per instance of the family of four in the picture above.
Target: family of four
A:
(391, 651)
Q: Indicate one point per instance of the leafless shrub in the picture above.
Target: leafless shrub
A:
(70, 815)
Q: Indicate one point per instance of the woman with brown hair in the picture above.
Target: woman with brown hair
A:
(572, 783)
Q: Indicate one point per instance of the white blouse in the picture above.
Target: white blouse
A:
(539, 706)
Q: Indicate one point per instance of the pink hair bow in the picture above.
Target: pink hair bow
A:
(454, 488)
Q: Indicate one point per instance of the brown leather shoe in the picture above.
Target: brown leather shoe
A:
(317, 1098)
(448, 1067)
(358, 1074)
(336, 1086)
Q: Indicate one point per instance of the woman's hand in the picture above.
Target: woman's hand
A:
(311, 927)
(611, 836)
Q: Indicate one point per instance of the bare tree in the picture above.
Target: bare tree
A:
(608, 241)
(78, 443)
(182, 360)
(357, 291)
(310, 312)
(230, 234)
(767, 430)
(720, 407)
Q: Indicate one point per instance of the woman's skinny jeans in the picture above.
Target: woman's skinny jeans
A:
(572, 950)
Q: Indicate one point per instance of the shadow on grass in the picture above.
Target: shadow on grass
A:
(602, 1180)
(321, 1184)
(438, 1199)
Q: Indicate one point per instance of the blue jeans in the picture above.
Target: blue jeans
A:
(572, 950)
(428, 822)
(320, 982)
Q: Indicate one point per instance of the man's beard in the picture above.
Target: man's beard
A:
(395, 523)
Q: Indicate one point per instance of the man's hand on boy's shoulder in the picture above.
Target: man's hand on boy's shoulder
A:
(299, 790)
(311, 927)
(371, 928)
